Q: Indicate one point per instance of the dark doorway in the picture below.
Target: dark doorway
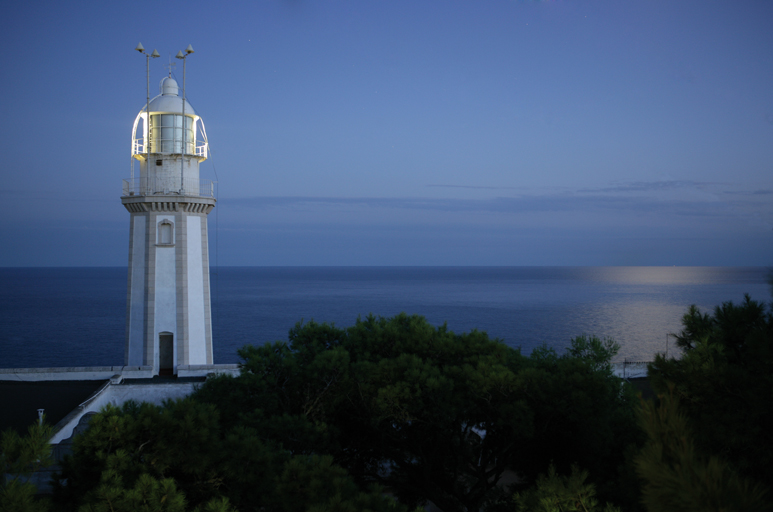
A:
(166, 353)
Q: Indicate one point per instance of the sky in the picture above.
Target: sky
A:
(370, 132)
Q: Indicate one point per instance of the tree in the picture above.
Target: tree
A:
(148, 493)
(429, 414)
(20, 457)
(178, 457)
(584, 416)
(556, 493)
(723, 383)
(432, 415)
(678, 478)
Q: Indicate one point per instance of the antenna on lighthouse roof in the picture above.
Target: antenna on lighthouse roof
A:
(182, 56)
(146, 138)
(170, 66)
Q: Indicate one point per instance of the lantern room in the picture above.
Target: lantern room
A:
(174, 126)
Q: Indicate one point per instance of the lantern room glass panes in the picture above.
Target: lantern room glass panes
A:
(166, 134)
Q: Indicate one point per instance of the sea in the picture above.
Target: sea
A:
(53, 317)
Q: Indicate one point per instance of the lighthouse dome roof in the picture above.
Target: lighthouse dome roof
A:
(169, 86)
(170, 100)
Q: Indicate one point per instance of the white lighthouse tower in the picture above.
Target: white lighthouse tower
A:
(168, 320)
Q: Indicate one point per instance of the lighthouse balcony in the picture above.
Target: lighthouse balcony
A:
(168, 186)
(199, 149)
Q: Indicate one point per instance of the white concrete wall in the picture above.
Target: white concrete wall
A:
(117, 391)
(109, 372)
(165, 178)
(117, 395)
(197, 328)
(75, 373)
(136, 335)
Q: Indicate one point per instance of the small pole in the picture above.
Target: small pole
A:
(182, 133)
(146, 128)
(147, 114)
(183, 148)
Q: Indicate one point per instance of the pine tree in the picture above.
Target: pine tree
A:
(20, 457)
(678, 478)
(557, 493)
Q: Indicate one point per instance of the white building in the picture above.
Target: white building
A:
(169, 321)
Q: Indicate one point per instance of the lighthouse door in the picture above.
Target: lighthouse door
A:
(166, 353)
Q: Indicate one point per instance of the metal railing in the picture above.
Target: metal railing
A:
(172, 147)
(168, 186)
(630, 369)
(202, 150)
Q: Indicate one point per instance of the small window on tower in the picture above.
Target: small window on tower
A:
(159, 162)
(165, 232)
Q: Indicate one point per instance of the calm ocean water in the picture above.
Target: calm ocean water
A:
(76, 316)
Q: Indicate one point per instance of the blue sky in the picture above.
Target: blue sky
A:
(402, 132)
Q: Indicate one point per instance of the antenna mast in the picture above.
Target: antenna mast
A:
(146, 137)
(183, 143)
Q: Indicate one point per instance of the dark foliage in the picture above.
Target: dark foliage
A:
(20, 457)
(180, 454)
(723, 383)
(679, 478)
(431, 414)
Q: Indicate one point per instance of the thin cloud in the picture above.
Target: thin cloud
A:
(747, 193)
(479, 187)
(625, 187)
(503, 205)
(652, 186)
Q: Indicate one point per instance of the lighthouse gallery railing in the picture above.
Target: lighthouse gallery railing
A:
(168, 186)
(198, 148)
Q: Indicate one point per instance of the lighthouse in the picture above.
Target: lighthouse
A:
(168, 318)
